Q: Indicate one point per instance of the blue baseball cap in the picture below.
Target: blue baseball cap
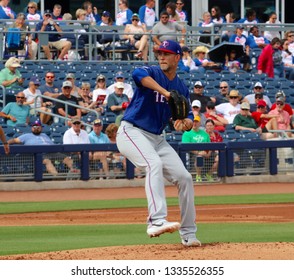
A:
(169, 46)
(106, 14)
(36, 123)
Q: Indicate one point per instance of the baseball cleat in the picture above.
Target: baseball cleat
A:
(191, 241)
(157, 229)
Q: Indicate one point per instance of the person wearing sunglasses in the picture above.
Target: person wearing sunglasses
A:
(167, 30)
(224, 91)
(287, 106)
(256, 95)
(135, 34)
(32, 14)
(50, 88)
(124, 16)
(230, 109)
(283, 117)
(179, 10)
(16, 112)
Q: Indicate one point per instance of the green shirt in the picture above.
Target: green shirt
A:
(246, 121)
(193, 136)
(7, 75)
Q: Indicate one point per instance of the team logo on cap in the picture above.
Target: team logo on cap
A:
(165, 44)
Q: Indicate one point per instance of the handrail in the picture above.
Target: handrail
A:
(66, 118)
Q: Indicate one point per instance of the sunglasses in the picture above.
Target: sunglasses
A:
(76, 123)
(234, 97)
(195, 107)
(258, 87)
(135, 19)
(119, 78)
(258, 97)
(31, 7)
(47, 15)
(280, 103)
(50, 77)
(198, 87)
(20, 97)
(67, 87)
(290, 35)
(260, 107)
(101, 81)
(245, 109)
(179, 4)
(210, 108)
(222, 87)
(164, 17)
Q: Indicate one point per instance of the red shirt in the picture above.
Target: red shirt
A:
(216, 138)
(260, 122)
(220, 128)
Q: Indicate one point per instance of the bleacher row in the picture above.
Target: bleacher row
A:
(241, 80)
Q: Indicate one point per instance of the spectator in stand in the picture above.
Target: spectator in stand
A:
(264, 120)
(230, 109)
(75, 134)
(4, 141)
(200, 57)
(128, 89)
(244, 120)
(230, 18)
(165, 30)
(101, 93)
(215, 137)
(85, 100)
(16, 112)
(171, 10)
(257, 97)
(72, 112)
(30, 95)
(249, 20)
(96, 136)
(56, 14)
(287, 60)
(224, 91)
(36, 137)
(196, 107)
(197, 135)
(106, 19)
(240, 38)
(116, 99)
(135, 34)
(206, 22)
(289, 35)
(255, 40)
(124, 16)
(217, 20)
(48, 24)
(218, 119)
(5, 11)
(147, 13)
(179, 10)
(287, 107)
(76, 91)
(273, 19)
(92, 12)
(49, 88)
(258, 93)
(187, 64)
(270, 60)
(283, 117)
(10, 76)
(33, 15)
(231, 63)
(199, 95)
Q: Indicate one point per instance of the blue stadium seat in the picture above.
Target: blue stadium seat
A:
(57, 138)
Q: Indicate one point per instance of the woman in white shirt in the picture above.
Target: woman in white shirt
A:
(272, 34)
(287, 60)
(100, 93)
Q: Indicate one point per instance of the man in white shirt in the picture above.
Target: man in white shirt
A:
(232, 108)
(258, 90)
(76, 135)
(128, 89)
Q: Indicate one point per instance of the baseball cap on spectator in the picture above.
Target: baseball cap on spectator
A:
(36, 123)
(119, 75)
(100, 77)
(135, 15)
(280, 94)
(196, 103)
(76, 120)
(245, 105)
(119, 85)
(197, 119)
(261, 103)
(169, 46)
(105, 14)
(47, 12)
(239, 27)
(35, 80)
(97, 122)
(185, 49)
(258, 84)
(12, 62)
(198, 83)
(67, 84)
(70, 76)
(281, 99)
(125, 105)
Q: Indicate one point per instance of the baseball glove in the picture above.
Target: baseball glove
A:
(179, 105)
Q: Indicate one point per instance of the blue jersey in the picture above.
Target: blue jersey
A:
(148, 109)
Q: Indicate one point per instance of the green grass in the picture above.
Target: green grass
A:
(26, 207)
(31, 239)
